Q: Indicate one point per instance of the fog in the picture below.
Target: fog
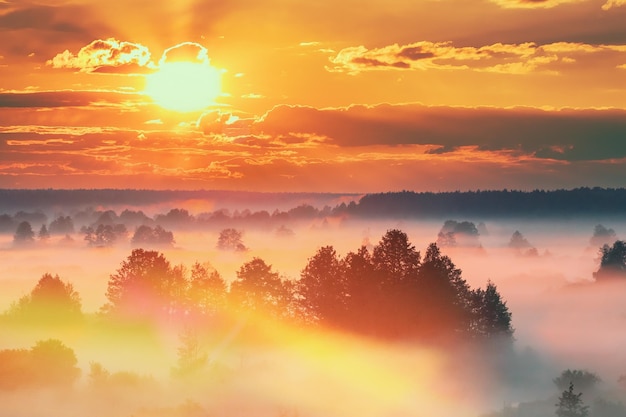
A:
(562, 320)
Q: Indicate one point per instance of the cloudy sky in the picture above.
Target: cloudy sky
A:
(342, 96)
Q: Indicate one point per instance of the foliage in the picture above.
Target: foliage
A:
(258, 288)
(146, 286)
(322, 287)
(43, 234)
(231, 240)
(455, 233)
(62, 225)
(24, 234)
(146, 236)
(582, 379)
(104, 235)
(191, 357)
(602, 236)
(612, 261)
(50, 301)
(49, 363)
(207, 290)
(492, 317)
(570, 404)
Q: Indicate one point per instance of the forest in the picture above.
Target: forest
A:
(224, 313)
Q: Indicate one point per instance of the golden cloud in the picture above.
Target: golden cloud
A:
(532, 4)
(502, 58)
(109, 55)
(613, 3)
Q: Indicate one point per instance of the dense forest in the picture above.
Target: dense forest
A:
(405, 204)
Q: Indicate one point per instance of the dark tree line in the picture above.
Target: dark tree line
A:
(390, 292)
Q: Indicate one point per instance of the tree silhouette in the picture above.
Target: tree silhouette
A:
(602, 236)
(322, 287)
(444, 296)
(43, 234)
(191, 357)
(145, 286)
(570, 404)
(62, 225)
(231, 240)
(207, 290)
(50, 301)
(612, 261)
(104, 235)
(395, 259)
(49, 363)
(146, 236)
(24, 234)
(491, 318)
(258, 288)
(520, 244)
(582, 379)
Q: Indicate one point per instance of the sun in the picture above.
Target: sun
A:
(184, 86)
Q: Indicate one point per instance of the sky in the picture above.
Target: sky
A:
(325, 96)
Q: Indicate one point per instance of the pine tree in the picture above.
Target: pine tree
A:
(571, 405)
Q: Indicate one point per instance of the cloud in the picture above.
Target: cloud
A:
(567, 135)
(498, 57)
(185, 52)
(613, 3)
(108, 56)
(53, 99)
(533, 4)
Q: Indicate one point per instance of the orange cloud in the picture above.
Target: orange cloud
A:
(613, 3)
(501, 58)
(108, 55)
(532, 4)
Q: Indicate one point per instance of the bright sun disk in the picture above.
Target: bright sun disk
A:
(184, 86)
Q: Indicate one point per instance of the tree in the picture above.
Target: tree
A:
(491, 318)
(612, 261)
(49, 363)
(191, 357)
(444, 296)
(258, 288)
(24, 234)
(602, 236)
(570, 404)
(582, 379)
(322, 287)
(396, 259)
(51, 300)
(55, 363)
(62, 225)
(43, 234)
(146, 236)
(207, 290)
(145, 286)
(231, 240)
(104, 235)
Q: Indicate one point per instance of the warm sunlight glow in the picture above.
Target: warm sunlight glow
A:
(184, 86)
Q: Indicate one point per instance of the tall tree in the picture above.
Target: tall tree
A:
(258, 288)
(612, 261)
(395, 259)
(207, 290)
(144, 286)
(322, 287)
(444, 296)
(491, 318)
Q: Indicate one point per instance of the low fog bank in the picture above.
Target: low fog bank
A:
(563, 319)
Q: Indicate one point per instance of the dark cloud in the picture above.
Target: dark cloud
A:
(51, 99)
(563, 135)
